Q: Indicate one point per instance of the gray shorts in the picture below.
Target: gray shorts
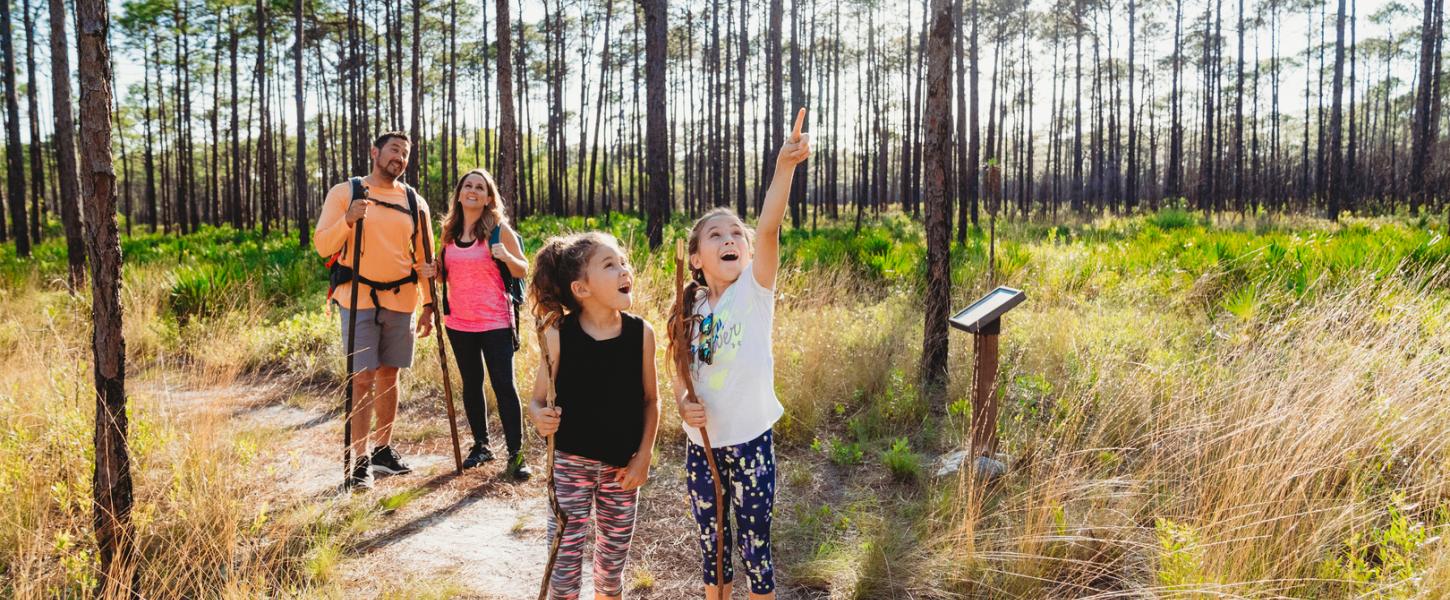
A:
(390, 344)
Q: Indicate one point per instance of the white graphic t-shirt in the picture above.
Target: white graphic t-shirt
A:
(732, 365)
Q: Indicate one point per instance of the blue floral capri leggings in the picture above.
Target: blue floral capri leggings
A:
(748, 474)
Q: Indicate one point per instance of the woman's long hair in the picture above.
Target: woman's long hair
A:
(493, 214)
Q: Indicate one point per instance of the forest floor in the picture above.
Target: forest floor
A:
(475, 535)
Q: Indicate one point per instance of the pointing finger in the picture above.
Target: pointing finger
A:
(800, 121)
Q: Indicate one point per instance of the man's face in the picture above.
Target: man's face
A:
(392, 158)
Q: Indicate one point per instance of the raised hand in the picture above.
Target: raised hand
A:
(797, 146)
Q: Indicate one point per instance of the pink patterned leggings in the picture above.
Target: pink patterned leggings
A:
(583, 486)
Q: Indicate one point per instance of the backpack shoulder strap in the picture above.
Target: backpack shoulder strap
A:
(413, 212)
(493, 236)
(359, 192)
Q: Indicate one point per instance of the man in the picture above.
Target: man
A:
(392, 254)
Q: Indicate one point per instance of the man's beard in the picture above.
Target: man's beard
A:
(388, 169)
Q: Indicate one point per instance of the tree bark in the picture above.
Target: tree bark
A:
(14, 154)
(37, 172)
(938, 129)
(508, 135)
(111, 483)
(656, 31)
(65, 145)
(299, 168)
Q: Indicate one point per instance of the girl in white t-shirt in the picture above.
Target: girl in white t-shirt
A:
(725, 324)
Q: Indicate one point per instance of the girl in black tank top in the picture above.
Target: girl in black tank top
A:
(599, 362)
(600, 386)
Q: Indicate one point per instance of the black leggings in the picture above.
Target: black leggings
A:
(496, 349)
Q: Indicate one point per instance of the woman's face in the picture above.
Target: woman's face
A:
(474, 195)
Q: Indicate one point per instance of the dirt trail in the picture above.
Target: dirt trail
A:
(478, 532)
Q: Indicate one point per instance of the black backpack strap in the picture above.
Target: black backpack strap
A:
(413, 212)
(443, 275)
(510, 283)
(359, 192)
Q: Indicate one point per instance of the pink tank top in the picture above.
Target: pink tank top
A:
(476, 299)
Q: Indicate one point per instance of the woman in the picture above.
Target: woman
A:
(481, 261)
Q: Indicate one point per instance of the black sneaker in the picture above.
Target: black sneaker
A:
(517, 469)
(362, 476)
(387, 462)
(479, 454)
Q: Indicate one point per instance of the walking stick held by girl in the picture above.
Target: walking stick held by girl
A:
(559, 516)
(680, 358)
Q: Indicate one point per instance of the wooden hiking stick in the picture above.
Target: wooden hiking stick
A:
(357, 235)
(443, 354)
(561, 520)
(682, 366)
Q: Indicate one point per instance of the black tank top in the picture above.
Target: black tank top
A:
(601, 388)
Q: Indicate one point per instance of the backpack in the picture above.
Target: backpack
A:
(338, 273)
(513, 287)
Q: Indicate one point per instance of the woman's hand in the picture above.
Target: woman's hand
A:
(545, 419)
(636, 473)
(427, 270)
(692, 411)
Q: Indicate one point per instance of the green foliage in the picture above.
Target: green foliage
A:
(1180, 556)
(904, 464)
(1385, 562)
(846, 454)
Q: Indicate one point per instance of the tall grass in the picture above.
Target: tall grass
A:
(1195, 408)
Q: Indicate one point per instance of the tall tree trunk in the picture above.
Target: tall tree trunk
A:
(37, 174)
(1174, 184)
(656, 57)
(299, 168)
(1238, 145)
(14, 154)
(938, 128)
(1077, 179)
(234, 202)
(1206, 165)
(416, 92)
(775, 116)
(111, 482)
(740, 86)
(1424, 128)
(508, 135)
(1336, 121)
(1132, 199)
(265, 163)
(65, 145)
(797, 100)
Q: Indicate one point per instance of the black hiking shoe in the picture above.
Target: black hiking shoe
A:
(386, 461)
(517, 469)
(479, 454)
(362, 476)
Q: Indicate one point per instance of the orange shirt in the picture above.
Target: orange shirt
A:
(387, 236)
